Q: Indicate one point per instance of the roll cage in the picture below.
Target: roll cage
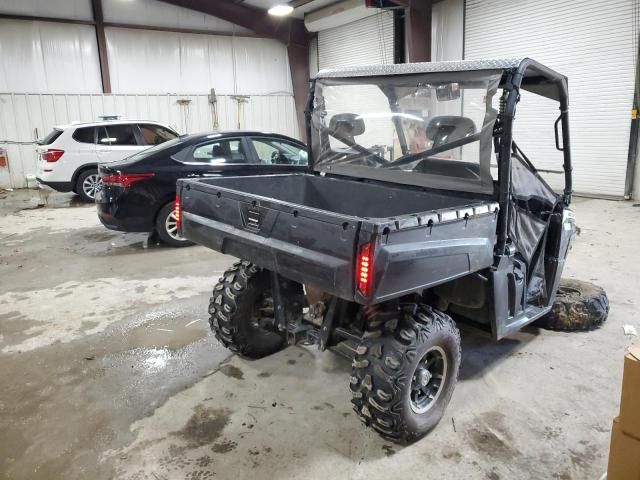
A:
(516, 74)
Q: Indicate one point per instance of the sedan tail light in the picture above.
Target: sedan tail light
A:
(51, 155)
(124, 179)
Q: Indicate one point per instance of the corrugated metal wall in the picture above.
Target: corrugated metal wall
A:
(447, 28)
(366, 41)
(50, 74)
(592, 43)
(71, 9)
(21, 114)
(164, 62)
(43, 57)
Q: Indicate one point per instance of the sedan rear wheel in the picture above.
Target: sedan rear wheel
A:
(167, 227)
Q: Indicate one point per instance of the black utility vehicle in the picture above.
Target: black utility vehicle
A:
(397, 231)
(138, 193)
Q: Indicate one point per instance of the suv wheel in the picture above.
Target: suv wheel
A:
(403, 380)
(167, 228)
(88, 184)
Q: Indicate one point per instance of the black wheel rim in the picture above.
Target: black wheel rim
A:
(263, 317)
(427, 381)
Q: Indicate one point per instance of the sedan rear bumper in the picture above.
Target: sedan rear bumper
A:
(116, 217)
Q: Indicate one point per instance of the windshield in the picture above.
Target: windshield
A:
(430, 130)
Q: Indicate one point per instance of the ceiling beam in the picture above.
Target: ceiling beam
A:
(418, 30)
(285, 29)
(102, 45)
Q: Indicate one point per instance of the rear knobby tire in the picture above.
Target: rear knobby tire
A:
(578, 306)
(385, 370)
(242, 311)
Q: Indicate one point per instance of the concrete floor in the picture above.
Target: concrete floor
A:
(108, 370)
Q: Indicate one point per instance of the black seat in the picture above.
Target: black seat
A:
(449, 128)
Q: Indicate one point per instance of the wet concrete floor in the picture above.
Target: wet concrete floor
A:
(108, 370)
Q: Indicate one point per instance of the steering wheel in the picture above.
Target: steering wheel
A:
(377, 159)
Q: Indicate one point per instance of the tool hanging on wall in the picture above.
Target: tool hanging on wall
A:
(213, 104)
(184, 106)
(240, 101)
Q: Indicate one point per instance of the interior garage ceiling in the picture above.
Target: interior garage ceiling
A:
(301, 6)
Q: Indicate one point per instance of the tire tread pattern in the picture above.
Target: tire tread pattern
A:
(382, 369)
(224, 304)
(572, 313)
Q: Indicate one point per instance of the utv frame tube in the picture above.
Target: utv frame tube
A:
(512, 85)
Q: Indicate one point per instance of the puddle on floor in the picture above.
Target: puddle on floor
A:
(166, 328)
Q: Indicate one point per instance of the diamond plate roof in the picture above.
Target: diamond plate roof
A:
(426, 67)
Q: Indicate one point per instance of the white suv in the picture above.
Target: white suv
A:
(70, 154)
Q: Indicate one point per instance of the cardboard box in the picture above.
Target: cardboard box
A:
(624, 455)
(630, 402)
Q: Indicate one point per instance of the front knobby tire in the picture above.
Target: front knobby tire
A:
(242, 311)
(402, 380)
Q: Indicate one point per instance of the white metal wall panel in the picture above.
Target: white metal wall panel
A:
(366, 41)
(589, 41)
(160, 14)
(220, 64)
(153, 66)
(163, 62)
(261, 66)
(44, 57)
(21, 114)
(71, 9)
(447, 25)
(313, 57)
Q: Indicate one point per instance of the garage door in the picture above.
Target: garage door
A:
(365, 41)
(589, 41)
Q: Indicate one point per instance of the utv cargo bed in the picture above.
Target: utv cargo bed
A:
(310, 228)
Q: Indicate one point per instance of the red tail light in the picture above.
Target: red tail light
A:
(125, 179)
(177, 212)
(51, 155)
(364, 269)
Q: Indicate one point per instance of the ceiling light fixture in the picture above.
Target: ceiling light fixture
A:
(280, 10)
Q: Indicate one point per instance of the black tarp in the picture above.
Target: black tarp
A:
(532, 202)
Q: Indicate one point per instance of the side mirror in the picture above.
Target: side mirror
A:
(448, 91)
(347, 124)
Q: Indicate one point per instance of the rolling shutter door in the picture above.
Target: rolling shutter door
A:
(589, 41)
(365, 41)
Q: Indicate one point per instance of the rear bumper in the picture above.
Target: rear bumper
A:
(303, 265)
(58, 186)
(116, 215)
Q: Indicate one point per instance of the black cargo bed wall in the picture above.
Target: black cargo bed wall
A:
(346, 197)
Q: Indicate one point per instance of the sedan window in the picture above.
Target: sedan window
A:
(278, 152)
(218, 152)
